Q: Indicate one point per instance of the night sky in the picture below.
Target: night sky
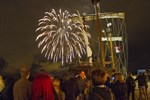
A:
(19, 19)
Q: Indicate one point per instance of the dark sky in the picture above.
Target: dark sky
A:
(19, 19)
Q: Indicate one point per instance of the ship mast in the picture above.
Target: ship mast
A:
(96, 4)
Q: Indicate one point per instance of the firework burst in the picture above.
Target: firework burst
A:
(60, 37)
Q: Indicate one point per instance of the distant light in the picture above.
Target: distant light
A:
(112, 38)
(103, 31)
(109, 24)
(117, 48)
(84, 13)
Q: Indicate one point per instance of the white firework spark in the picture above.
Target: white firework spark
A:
(61, 38)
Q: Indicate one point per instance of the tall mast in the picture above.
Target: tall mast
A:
(99, 29)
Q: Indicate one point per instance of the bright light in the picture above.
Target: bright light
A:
(61, 37)
(109, 24)
(112, 38)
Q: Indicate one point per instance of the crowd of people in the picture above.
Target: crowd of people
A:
(99, 85)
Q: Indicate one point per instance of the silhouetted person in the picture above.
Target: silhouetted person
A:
(8, 90)
(22, 87)
(146, 84)
(81, 80)
(141, 84)
(2, 86)
(99, 90)
(60, 93)
(131, 86)
(108, 82)
(43, 88)
(70, 87)
(119, 87)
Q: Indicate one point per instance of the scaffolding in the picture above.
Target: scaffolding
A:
(114, 39)
(108, 38)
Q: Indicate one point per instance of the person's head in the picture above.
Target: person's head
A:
(99, 77)
(82, 74)
(1, 83)
(25, 72)
(56, 84)
(130, 74)
(66, 76)
(144, 73)
(42, 87)
(119, 77)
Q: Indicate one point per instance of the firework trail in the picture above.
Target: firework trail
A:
(61, 38)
